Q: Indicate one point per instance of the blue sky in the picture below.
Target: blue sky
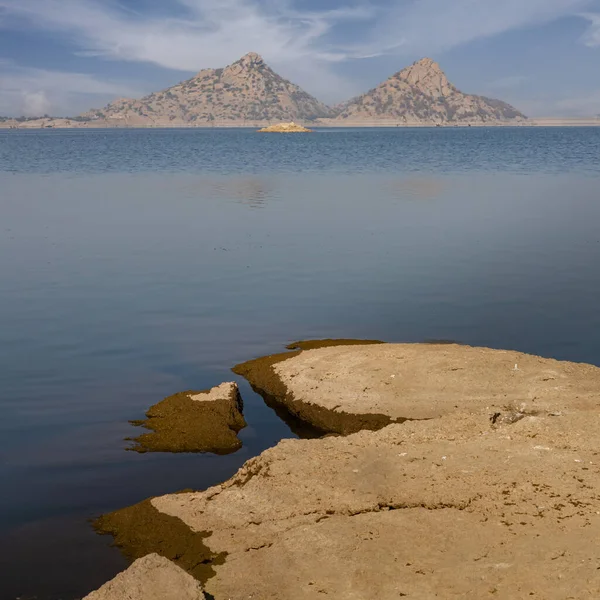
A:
(65, 56)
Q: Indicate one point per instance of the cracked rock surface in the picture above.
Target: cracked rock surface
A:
(470, 503)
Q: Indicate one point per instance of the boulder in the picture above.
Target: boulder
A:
(150, 578)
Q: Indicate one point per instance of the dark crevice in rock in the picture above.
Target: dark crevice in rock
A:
(303, 429)
(321, 421)
(384, 507)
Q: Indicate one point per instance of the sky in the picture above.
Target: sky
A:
(62, 57)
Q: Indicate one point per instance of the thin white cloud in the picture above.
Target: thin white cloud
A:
(434, 26)
(34, 92)
(36, 104)
(591, 37)
(216, 31)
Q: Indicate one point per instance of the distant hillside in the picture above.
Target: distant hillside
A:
(422, 93)
(247, 90)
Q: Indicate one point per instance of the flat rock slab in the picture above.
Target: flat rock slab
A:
(449, 508)
(194, 422)
(150, 578)
(458, 506)
(344, 389)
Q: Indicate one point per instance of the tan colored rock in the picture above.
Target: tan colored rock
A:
(464, 505)
(285, 128)
(422, 93)
(344, 389)
(150, 578)
(244, 92)
(194, 422)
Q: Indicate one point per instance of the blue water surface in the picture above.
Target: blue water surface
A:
(138, 263)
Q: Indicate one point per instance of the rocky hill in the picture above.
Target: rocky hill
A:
(422, 93)
(246, 91)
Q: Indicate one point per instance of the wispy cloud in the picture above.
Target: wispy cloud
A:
(434, 26)
(591, 37)
(34, 92)
(212, 32)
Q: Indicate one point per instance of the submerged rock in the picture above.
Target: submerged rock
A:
(285, 128)
(150, 578)
(460, 504)
(194, 422)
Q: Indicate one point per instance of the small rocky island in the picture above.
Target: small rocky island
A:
(285, 128)
(444, 471)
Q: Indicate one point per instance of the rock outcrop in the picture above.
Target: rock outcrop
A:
(344, 389)
(246, 91)
(484, 496)
(194, 422)
(421, 94)
(150, 578)
(285, 128)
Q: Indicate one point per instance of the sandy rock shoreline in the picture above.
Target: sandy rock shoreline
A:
(491, 491)
(342, 390)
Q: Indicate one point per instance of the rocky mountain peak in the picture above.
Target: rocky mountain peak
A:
(246, 91)
(427, 76)
(249, 91)
(247, 65)
(427, 63)
(421, 93)
(250, 60)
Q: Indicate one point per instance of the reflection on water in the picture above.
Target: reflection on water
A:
(252, 191)
(417, 188)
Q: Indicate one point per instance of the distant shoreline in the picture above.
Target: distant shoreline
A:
(319, 124)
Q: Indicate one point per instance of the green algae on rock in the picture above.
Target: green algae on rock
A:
(141, 529)
(330, 343)
(264, 380)
(191, 421)
(343, 388)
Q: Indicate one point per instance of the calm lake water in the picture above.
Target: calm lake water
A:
(136, 264)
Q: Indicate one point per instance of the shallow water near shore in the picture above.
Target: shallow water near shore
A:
(136, 264)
